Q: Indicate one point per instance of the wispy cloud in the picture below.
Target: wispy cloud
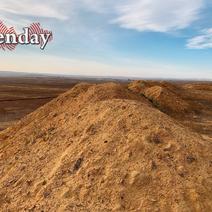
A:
(40, 8)
(158, 16)
(203, 41)
(141, 15)
(148, 15)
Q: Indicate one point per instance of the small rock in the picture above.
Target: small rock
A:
(44, 182)
(139, 179)
(78, 164)
(32, 208)
(168, 147)
(181, 171)
(130, 154)
(133, 176)
(153, 165)
(54, 114)
(123, 107)
(29, 182)
(67, 194)
(117, 207)
(46, 194)
(190, 159)
(155, 139)
(79, 116)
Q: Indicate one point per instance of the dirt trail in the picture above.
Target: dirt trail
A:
(103, 148)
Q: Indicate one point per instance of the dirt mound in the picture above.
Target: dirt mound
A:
(163, 95)
(103, 148)
(139, 86)
(173, 87)
(199, 86)
(166, 100)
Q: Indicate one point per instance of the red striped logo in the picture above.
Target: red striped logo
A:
(4, 30)
(35, 28)
(9, 38)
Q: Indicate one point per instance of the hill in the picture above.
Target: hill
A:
(103, 148)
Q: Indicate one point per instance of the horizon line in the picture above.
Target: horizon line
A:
(46, 74)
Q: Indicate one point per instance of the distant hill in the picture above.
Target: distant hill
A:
(17, 74)
(79, 77)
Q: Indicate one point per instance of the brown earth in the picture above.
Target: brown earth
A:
(107, 148)
(165, 96)
(20, 96)
(166, 100)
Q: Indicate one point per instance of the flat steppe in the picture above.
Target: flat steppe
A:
(20, 96)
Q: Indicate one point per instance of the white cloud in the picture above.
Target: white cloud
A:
(141, 15)
(158, 16)
(203, 41)
(148, 15)
(40, 8)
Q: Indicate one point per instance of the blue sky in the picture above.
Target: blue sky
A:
(138, 38)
